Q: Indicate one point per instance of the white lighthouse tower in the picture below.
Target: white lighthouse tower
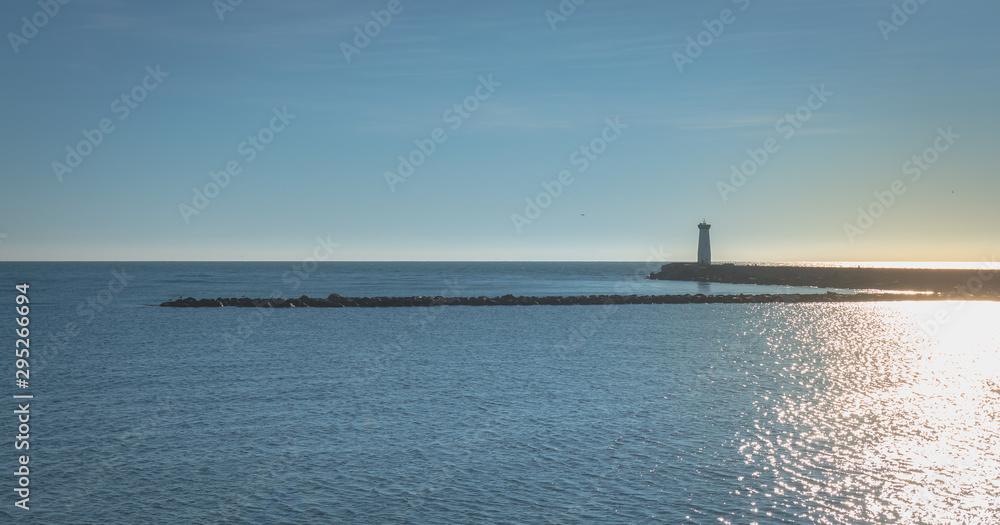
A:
(704, 245)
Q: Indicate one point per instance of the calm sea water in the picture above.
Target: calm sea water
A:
(827, 413)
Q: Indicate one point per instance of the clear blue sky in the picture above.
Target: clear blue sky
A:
(324, 174)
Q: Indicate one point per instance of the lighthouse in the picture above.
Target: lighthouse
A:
(704, 245)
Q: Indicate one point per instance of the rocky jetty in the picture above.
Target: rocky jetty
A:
(961, 283)
(337, 301)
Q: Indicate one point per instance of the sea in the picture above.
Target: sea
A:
(690, 413)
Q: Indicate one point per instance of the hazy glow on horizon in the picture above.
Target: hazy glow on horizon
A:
(557, 84)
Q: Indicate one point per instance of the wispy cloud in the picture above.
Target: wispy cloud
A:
(498, 115)
(722, 122)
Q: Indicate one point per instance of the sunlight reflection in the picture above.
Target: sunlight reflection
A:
(897, 419)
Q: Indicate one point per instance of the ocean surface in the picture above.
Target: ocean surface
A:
(757, 413)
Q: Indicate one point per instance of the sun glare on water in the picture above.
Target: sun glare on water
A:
(897, 420)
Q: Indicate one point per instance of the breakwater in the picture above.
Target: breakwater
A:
(336, 301)
(960, 283)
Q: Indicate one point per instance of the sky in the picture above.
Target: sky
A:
(518, 130)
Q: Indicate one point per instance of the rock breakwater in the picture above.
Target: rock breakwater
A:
(337, 301)
(962, 283)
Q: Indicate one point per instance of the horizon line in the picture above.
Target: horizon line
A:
(714, 263)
